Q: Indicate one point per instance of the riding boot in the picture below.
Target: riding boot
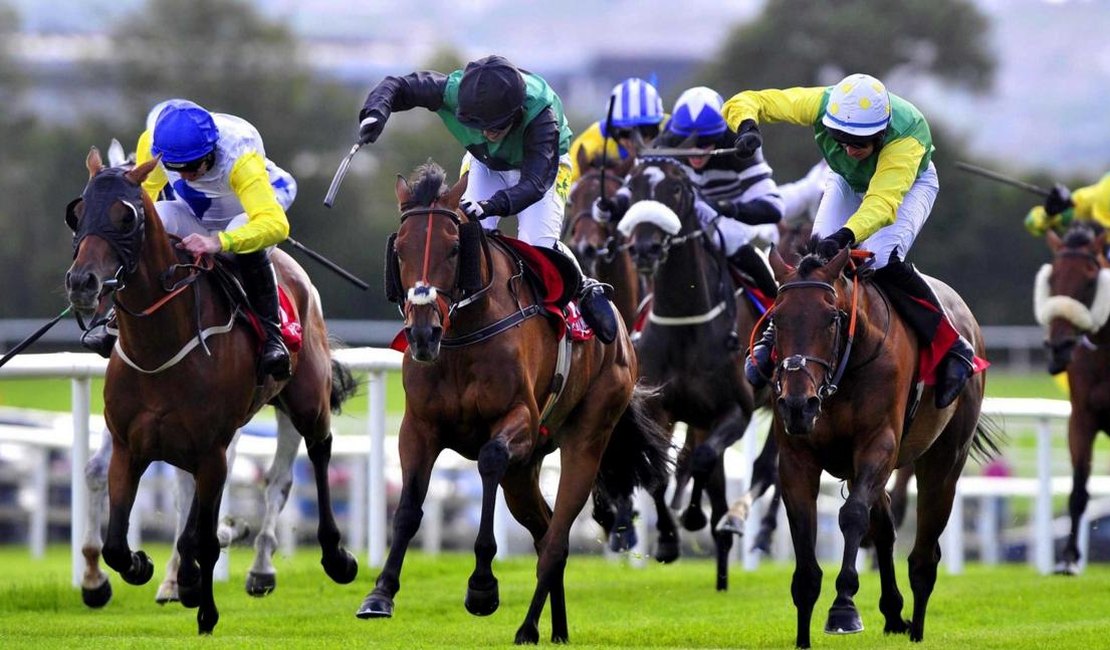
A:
(261, 287)
(758, 365)
(593, 301)
(748, 261)
(99, 339)
(919, 306)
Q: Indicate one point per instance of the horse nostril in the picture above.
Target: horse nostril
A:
(82, 281)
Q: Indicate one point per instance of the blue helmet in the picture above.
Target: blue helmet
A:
(636, 103)
(698, 112)
(183, 133)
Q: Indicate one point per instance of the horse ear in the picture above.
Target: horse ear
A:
(93, 162)
(583, 160)
(624, 166)
(779, 265)
(139, 174)
(1053, 240)
(836, 265)
(402, 190)
(454, 195)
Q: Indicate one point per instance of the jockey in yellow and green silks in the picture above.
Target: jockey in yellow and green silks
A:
(1061, 207)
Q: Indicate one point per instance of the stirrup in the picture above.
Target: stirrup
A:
(758, 366)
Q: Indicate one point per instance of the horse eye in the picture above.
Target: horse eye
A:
(656, 247)
(454, 250)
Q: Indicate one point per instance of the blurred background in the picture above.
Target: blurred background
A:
(1014, 85)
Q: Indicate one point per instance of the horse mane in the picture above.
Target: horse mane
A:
(1081, 234)
(809, 260)
(428, 183)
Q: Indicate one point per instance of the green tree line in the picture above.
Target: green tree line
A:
(252, 66)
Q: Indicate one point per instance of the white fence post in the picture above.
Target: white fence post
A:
(1042, 516)
(78, 491)
(376, 521)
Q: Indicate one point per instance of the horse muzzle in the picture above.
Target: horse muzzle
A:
(424, 342)
(83, 289)
(587, 255)
(798, 413)
(1059, 354)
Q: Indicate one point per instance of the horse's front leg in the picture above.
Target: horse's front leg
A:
(211, 475)
(96, 589)
(718, 502)
(339, 564)
(800, 481)
(1081, 435)
(123, 482)
(185, 489)
(262, 576)
(726, 430)
(418, 449)
(883, 534)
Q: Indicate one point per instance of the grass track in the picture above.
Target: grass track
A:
(610, 605)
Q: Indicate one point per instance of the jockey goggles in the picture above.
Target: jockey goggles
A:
(846, 139)
(647, 132)
(191, 165)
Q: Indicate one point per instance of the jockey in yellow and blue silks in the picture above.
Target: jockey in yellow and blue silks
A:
(880, 194)
(222, 195)
(512, 126)
(1061, 207)
(637, 120)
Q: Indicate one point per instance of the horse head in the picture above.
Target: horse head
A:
(661, 216)
(1072, 294)
(108, 222)
(810, 316)
(592, 240)
(428, 247)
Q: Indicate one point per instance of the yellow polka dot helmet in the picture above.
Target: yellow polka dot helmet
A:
(858, 105)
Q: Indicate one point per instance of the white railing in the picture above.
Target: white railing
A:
(81, 368)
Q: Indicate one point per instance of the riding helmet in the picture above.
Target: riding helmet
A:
(858, 106)
(183, 133)
(491, 94)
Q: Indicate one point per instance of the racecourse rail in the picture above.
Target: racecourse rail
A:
(81, 368)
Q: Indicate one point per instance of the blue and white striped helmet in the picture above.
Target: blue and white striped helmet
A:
(698, 111)
(636, 103)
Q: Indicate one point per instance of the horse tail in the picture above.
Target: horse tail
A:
(639, 450)
(989, 437)
(343, 382)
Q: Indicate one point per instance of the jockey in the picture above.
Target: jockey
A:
(880, 148)
(516, 136)
(225, 196)
(637, 118)
(1061, 207)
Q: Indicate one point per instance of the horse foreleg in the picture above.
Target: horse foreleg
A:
(728, 429)
(799, 493)
(667, 548)
(482, 595)
(718, 502)
(1081, 434)
(338, 563)
(183, 501)
(262, 576)
(96, 590)
(417, 457)
(528, 506)
(210, 478)
(855, 517)
(882, 533)
(123, 482)
(682, 466)
(764, 475)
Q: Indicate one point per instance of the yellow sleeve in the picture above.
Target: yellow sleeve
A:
(267, 224)
(156, 180)
(895, 173)
(589, 145)
(792, 105)
(1093, 202)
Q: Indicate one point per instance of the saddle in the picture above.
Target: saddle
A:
(554, 281)
(226, 273)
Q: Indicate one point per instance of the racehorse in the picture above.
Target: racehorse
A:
(842, 392)
(1072, 303)
(481, 377)
(166, 401)
(690, 342)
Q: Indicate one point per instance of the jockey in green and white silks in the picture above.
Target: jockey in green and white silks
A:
(882, 190)
(512, 125)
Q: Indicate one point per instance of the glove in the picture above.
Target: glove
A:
(1058, 200)
(605, 210)
(475, 210)
(748, 139)
(831, 245)
(370, 128)
(726, 209)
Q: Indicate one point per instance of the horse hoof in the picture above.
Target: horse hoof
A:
(206, 621)
(99, 596)
(483, 602)
(730, 524)
(167, 593)
(527, 634)
(342, 567)
(843, 620)
(762, 543)
(623, 540)
(694, 519)
(666, 552)
(141, 571)
(260, 584)
(189, 595)
(1067, 568)
(899, 626)
(376, 606)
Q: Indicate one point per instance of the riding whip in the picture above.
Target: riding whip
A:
(346, 275)
(685, 153)
(19, 347)
(329, 198)
(605, 142)
(1002, 178)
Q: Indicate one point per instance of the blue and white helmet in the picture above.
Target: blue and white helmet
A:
(636, 103)
(698, 112)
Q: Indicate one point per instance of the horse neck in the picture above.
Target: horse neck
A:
(621, 274)
(686, 283)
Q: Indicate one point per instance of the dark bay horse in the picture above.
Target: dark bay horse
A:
(482, 378)
(846, 369)
(690, 344)
(1072, 303)
(166, 400)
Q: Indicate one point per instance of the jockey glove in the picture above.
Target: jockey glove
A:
(748, 139)
(1058, 200)
(475, 210)
(607, 209)
(831, 245)
(370, 127)
(726, 209)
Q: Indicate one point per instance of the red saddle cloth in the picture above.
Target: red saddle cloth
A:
(929, 358)
(291, 331)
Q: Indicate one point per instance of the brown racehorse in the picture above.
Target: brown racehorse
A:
(1073, 305)
(846, 369)
(167, 400)
(479, 372)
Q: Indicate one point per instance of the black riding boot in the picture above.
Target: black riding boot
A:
(908, 290)
(261, 286)
(593, 301)
(99, 339)
(750, 263)
(758, 365)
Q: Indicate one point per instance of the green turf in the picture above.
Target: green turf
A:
(609, 604)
